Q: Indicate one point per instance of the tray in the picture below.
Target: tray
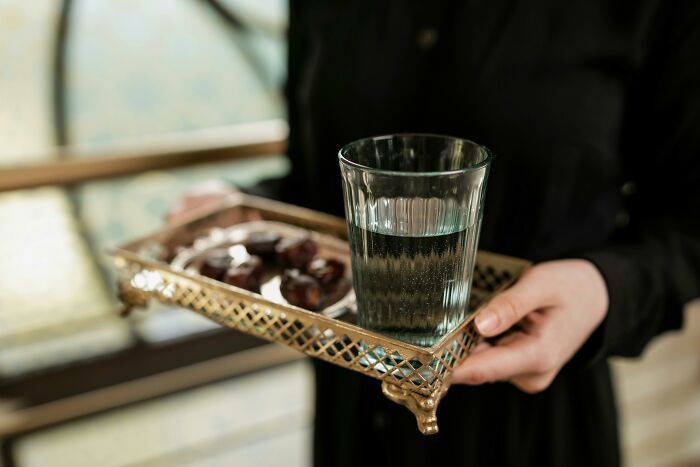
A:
(413, 376)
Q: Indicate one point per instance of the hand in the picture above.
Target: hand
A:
(202, 197)
(557, 305)
(205, 195)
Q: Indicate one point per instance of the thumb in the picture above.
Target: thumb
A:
(510, 306)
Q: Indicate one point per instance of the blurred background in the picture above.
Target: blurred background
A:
(109, 112)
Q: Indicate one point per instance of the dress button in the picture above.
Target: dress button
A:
(378, 420)
(628, 188)
(427, 37)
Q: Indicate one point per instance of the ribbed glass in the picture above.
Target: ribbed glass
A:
(413, 204)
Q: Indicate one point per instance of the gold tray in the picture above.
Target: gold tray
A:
(416, 377)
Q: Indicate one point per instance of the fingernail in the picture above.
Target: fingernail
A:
(486, 322)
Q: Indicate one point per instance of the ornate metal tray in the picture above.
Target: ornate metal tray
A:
(416, 377)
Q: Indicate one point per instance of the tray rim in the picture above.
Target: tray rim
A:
(421, 398)
(126, 253)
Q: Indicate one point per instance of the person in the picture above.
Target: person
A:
(592, 108)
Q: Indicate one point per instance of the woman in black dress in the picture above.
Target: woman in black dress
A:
(593, 110)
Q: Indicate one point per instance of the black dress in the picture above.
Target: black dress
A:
(592, 108)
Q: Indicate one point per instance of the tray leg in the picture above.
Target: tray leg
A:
(423, 407)
(131, 298)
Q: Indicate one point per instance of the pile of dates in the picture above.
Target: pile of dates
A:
(306, 279)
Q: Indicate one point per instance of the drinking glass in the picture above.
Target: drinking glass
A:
(413, 204)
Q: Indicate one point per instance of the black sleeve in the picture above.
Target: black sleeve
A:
(298, 31)
(655, 269)
(298, 52)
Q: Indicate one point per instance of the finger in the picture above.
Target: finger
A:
(483, 345)
(532, 384)
(208, 194)
(510, 306)
(535, 321)
(508, 338)
(516, 357)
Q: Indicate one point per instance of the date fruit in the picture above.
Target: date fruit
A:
(295, 253)
(262, 244)
(246, 275)
(326, 271)
(216, 264)
(301, 290)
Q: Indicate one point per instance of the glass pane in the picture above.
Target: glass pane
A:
(133, 69)
(138, 68)
(54, 305)
(26, 43)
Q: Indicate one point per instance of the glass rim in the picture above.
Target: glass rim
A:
(344, 160)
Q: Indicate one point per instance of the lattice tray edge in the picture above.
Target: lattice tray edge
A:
(413, 376)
